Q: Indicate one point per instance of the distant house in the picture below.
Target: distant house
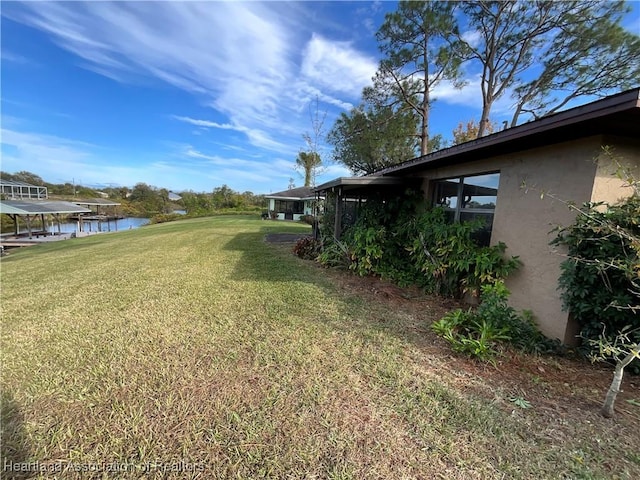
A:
(174, 197)
(291, 204)
(485, 177)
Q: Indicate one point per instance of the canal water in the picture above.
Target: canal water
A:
(92, 226)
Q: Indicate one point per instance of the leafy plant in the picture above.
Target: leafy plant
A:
(308, 219)
(601, 278)
(520, 402)
(334, 254)
(479, 333)
(307, 248)
(453, 263)
(165, 217)
(622, 348)
(367, 249)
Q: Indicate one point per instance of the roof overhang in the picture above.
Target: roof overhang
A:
(299, 199)
(356, 183)
(617, 115)
(101, 202)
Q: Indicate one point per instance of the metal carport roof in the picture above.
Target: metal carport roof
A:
(39, 207)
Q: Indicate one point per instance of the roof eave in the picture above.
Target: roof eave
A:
(625, 101)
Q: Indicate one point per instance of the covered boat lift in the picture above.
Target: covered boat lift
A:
(94, 205)
(32, 209)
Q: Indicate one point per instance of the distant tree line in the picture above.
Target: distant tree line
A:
(221, 199)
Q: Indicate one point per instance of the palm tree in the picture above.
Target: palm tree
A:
(308, 161)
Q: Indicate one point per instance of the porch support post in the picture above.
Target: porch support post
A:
(29, 226)
(16, 229)
(337, 222)
(316, 216)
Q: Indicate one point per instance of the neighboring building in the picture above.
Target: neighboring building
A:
(15, 190)
(488, 177)
(291, 204)
(174, 197)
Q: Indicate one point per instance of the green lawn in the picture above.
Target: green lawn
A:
(195, 346)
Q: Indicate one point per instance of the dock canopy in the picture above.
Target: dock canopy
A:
(39, 207)
(31, 208)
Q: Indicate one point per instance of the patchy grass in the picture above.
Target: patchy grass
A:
(195, 350)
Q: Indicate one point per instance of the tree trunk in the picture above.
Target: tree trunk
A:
(424, 132)
(484, 120)
(610, 400)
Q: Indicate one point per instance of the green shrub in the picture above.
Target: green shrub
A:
(165, 217)
(307, 248)
(600, 279)
(480, 333)
(397, 238)
(367, 249)
(450, 259)
(334, 254)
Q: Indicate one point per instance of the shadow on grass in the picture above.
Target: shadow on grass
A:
(264, 262)
(14, 452)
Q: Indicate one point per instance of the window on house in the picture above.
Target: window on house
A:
(289, 206)
(469, 198)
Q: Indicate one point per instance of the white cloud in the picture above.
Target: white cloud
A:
(235, 54)
(472, 37)
(337, 66)
(256, 136)
(7, 56)
(58, 159)
(259, 173)
(470, 96)
(205, 123)
(241, 58)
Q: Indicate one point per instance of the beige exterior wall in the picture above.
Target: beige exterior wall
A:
(523, 220)
(607, 187)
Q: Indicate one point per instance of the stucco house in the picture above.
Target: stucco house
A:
(488, 177)
(291, 204)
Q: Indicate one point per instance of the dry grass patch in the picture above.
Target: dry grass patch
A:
(198, 348)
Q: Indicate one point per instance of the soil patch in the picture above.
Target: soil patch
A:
(284, 237)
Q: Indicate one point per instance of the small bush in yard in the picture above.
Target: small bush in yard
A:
(479, 333)
(307, 248)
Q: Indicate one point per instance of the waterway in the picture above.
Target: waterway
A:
(111, 226)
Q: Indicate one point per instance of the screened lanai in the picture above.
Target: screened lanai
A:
(14, 189)
(344, 196)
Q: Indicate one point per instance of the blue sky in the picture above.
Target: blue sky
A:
(189, 95)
